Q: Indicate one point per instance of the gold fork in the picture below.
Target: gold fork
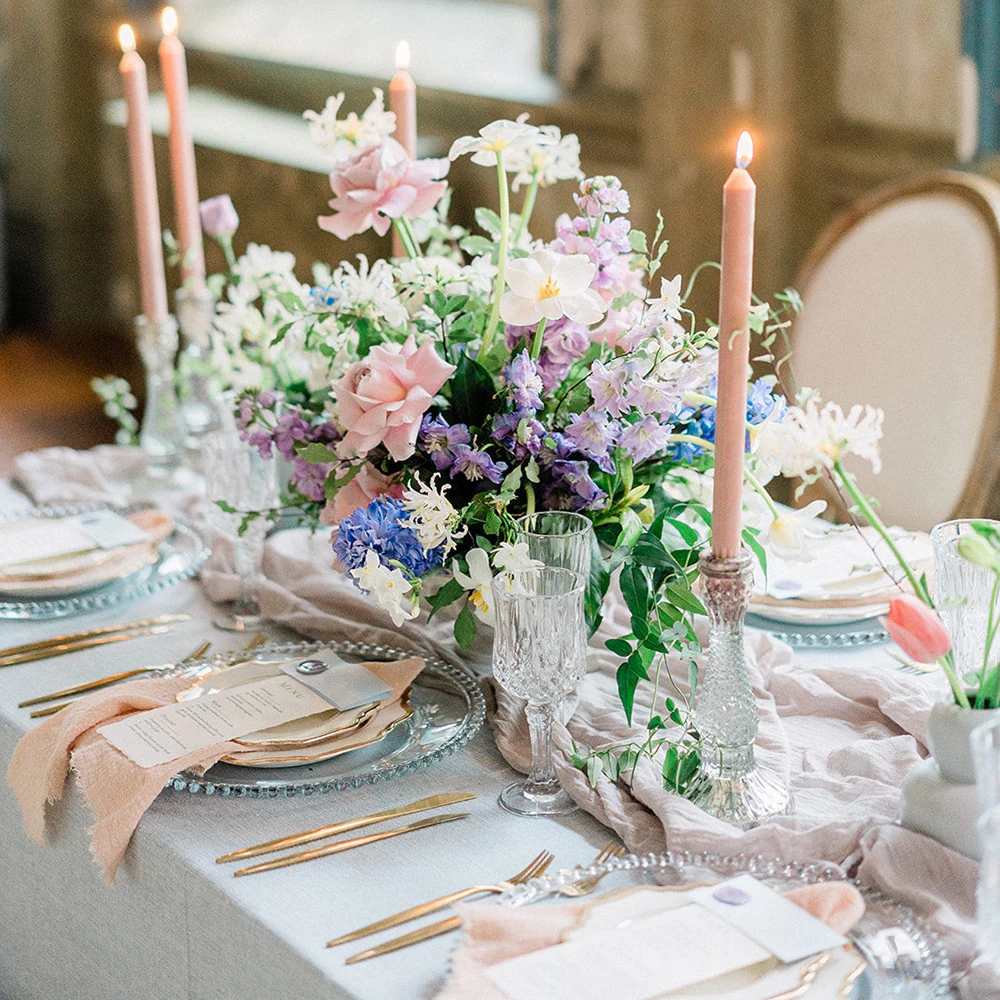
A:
(608, 851)
(535, 867)
(588, 885)
(195, 654)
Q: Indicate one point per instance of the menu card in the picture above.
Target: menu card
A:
(34, 539)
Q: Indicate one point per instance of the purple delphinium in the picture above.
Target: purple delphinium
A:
(382, 527)
(594, 435)
(521, 435)
(522, 381)
(575, 477)
(476, 465)
(607, 387)
(439, 439)
(644, 438)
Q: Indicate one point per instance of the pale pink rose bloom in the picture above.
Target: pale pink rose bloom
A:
(917, 629)
(382, 399)
(381, 185)
(368, 484)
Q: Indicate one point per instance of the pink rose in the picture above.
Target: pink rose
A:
(381, 399)
(917, 629)
(380, 185)
(368, 484)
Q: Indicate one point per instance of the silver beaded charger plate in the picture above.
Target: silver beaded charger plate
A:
(448, 710)
(903, 956)
(179, 557)
(868, 632)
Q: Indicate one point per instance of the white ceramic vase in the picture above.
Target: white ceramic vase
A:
(948, 732)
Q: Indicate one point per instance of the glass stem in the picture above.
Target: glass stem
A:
(246, 565)
(542, 779)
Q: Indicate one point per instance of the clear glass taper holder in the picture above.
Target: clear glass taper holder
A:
(199, 405)
(730, 785)
(160, 434)
(539, 654)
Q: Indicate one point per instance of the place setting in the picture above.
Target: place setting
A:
(517, 592)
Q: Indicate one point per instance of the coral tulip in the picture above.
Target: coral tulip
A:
(917, 629)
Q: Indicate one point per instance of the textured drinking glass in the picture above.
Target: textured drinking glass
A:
(988, 894)
(985, 741)
(558, 538)
(539, 654)
(236, 474)
(160, 436)
(958, 580)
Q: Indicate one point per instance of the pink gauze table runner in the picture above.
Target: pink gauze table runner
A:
(843, 734)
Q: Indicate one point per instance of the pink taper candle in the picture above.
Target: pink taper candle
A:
(173, 65)
(403, 101)
(140, 151)
(738, 201)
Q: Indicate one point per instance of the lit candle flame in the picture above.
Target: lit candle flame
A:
(403, 55)
(126, 38)
(744, 150)
(168, 21)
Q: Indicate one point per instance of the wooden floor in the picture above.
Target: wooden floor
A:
(45, 394)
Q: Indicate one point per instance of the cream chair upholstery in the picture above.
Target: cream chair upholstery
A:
(902, 310)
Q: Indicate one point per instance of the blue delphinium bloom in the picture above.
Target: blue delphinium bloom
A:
(523, 383)
(476, 465)
(382, 528)
(438, 438)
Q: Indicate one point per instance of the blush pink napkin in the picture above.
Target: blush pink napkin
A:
(494, 934)
(117, 790)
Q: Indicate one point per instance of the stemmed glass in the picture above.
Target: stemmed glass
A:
(237, 475)
(539, 654)
(558, 538)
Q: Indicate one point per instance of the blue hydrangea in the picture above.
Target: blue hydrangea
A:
(381, 527)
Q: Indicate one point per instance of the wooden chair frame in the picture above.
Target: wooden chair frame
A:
(981, 495)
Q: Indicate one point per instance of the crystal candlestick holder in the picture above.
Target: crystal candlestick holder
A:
(729, 784)
(160, 435)
(199, 410)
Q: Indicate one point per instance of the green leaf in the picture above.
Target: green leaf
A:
(629, 674)
(477, 245)
(682, 597)
(455, 304)
(635, 589)
(637, 241)
(512, 481)
(598, 581)
(750, 537)
(228, 508)
(488, 221)
(316, 453)
(465, 627)
(446, 595)
(631, 529)
(492, 524)
(986, 696)
(473, 393)
(620, 646)
(656, 723)
(531, 470)
(280, 335)
(689, 534)
(290, 301)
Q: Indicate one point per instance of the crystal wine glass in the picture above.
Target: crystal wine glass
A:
(558, 538)
(539, 654)
(237, 475)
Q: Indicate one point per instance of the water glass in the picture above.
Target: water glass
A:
(236, 474)
(539, 654)
(962, 592)
(558, 538)
(985, 742)
(988, 894)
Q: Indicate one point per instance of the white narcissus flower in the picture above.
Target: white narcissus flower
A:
(670, 300)
(551, 285)
(390, 588)
(368, 290)
(513, 557)
(502, 137)
(432, 516)
(479, 580)
(784, 535)
(557, 160)
(351, 136)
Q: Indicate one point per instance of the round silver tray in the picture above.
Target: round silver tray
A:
(905, 958)
(448, 710)
(180, 556)
(867, 632)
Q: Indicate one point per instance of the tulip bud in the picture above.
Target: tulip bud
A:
(218, 217)
(977, 550)
(917, 629)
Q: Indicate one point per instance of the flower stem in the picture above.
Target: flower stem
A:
(536, 343)
(498, 286)
(764, 495)
(527, 208)
(406, 238)
(991, 631)
(405, 223)
(226, 242)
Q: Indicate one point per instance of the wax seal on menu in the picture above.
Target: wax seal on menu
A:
(731, 895)
(311, 667)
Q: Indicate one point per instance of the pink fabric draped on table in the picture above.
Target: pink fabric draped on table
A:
(845, 736)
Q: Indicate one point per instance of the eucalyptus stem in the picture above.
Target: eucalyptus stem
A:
(528, 207)
(536, 343)
(498, 286)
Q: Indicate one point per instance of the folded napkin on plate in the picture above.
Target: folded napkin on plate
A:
(494, 934)
(63, 475)
(117, 790)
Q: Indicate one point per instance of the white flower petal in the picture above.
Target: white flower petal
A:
(525, 277)
(573, 273)
(519, 311)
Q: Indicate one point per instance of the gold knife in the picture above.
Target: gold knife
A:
(404, 941)
(58, 640)
(322, 832)
(346, 845)
(75, 647)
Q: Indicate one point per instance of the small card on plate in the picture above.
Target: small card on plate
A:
(35, 539)
(168, 733)
(344, 685)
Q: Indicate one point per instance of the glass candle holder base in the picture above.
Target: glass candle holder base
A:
(729, 785)
(233, 622)
(523, 800)
(160, 433)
